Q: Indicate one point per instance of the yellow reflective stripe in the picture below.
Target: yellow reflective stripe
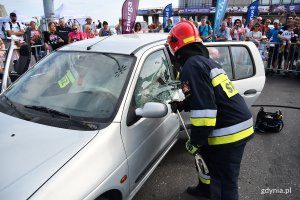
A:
(189, 39)
(228, 88)
(231, 138)
(205, 181)
(178, 76)
(219, 79)
(203, 121)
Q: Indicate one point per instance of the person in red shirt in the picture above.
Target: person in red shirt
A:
(88, 32)
(75, 35)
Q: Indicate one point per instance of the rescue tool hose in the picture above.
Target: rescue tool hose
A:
(279, 106)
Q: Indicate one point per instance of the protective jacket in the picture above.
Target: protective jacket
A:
(218, 113)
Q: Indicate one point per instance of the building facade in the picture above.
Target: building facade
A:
(267, 8)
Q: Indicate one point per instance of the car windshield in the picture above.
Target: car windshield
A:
(83, 85)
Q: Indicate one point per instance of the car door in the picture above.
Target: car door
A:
(145, 139)
(243, 65)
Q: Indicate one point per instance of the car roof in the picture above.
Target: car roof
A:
(119, 44)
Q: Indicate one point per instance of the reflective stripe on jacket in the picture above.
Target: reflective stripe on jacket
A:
(218, 113)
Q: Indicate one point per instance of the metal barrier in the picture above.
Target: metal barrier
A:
(283, 57)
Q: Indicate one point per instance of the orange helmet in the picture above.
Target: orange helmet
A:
(182, 34)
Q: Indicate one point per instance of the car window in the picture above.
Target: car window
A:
(243, 66)
(152, 84)
(222, 56)
(235, 60)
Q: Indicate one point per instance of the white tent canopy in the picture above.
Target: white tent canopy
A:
(20, 18)
(67, 13)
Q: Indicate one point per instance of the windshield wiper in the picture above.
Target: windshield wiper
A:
(51, 111)
(55, 113)
(12, 105)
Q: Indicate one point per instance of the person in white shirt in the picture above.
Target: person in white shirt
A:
(254, 35)
(15, 29)
(286, 43)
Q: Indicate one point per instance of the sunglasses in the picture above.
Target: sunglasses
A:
(290, 18)
(74, 29)
(256, 26)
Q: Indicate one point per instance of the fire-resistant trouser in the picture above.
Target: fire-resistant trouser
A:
(204, 180)
(224, 171)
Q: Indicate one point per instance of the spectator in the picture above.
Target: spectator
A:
(105, 31)
(2, 31)
(286, 38)
(223, 34)
(229, 22)
(237, 32)
(118, 27)
(63, 30)
(274, 48)
(151, 28)
(34, 37)
(289, 20)
(159, 27)
(169, 26)
(295, 41)
(266, 28)
(99, 24)
(94, 27)
(76, 34)
(259, 21)
(254, 35)
(2, 53)
(205, 30)
(88, 32)
(263, 48)
(243, 22)
(249, 27)
(52, 38)
(89, 22)
(137, 28)
(15, 29)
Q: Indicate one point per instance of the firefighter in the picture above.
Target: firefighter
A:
(221, 121)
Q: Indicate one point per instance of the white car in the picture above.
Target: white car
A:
(92, 121)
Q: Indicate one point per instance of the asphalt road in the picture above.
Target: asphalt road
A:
(271, 162)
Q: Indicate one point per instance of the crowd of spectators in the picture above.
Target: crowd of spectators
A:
(276, 39)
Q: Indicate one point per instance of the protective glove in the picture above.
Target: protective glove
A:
(177, 105)
(192, 149)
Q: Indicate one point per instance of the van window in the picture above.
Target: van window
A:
(152, 84)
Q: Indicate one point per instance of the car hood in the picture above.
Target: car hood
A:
(31, 153)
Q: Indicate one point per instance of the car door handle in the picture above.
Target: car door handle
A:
(251, 91)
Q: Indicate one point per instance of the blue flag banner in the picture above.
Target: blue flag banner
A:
(252, 11)
(167, 14)
(220, 12)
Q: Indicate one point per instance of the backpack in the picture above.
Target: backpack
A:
(268, 121)
(10, 24)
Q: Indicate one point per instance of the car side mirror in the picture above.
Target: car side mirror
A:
(152, 110)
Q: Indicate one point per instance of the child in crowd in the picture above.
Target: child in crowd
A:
(263, 48)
